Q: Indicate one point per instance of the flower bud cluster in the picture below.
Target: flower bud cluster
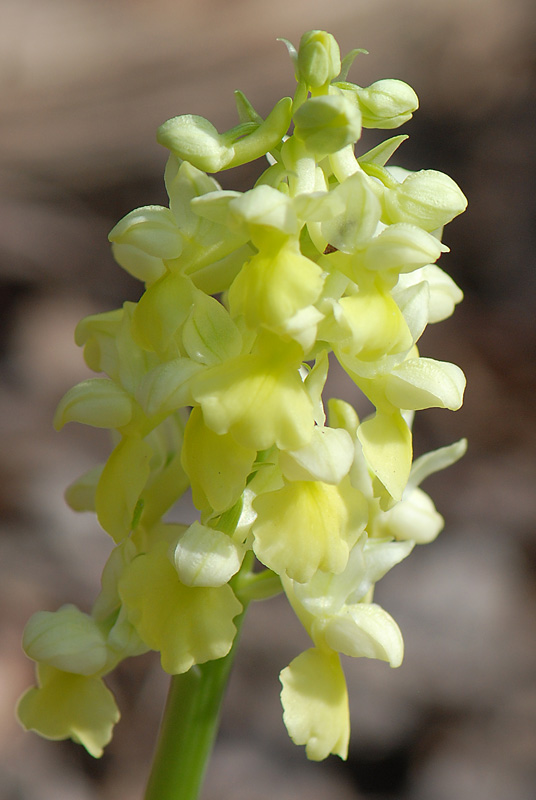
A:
(213, 381)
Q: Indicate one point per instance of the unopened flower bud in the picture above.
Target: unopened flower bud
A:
(326, 124)
(195, 139)
(319, 59)
(386, 104)
(151, 229)
(428, 199)
(402, 248)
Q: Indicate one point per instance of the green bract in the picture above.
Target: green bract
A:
(213, 380)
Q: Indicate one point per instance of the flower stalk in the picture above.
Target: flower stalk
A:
(189, 728)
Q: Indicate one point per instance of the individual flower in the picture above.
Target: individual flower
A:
(155, 600)
(336, 615)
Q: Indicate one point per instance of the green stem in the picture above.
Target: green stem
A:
(189, 728)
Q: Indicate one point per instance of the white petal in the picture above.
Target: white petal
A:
(419, 383)
(206, 557)
(328, 457)
(414, 518)
(365, 630)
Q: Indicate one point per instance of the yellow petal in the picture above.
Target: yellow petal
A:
(414, 518)
(203, 454)
(419, 383)
(209, 335)
(206, 556)
(70, 706)
(260, 402)
(327, 457)
(427, 198)
(306, 526)
(270, 289)
(188, 625)
(161, 311)
(66, 639)
(315, 703)
(120, 485)
(365, 630)
(386, 441)
(98, 402)
(376, 325)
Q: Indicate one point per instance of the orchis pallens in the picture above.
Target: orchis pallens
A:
(214, 381)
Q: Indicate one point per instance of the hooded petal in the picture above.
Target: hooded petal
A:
(66, 639)
(364, 629)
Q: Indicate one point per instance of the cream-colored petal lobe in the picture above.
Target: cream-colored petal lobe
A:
(151, 229)
(98, 402)
(419, 383)
(315, 704)
(206, 557)
(67, 706)
(415, 518)
(327, 457)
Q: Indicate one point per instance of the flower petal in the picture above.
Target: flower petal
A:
(365, 630)
(98, 401)
(70, 706)
(261, 401)
(414, 518)
(120, 485)
(419, 383)
(327, 457)
(203, 454)
(151, 229)
(306, 526)
(206, 557)
(315, 703)
(272, 288)
(66, 639)
(386, 441)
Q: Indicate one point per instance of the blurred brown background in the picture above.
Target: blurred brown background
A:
(84, 85)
